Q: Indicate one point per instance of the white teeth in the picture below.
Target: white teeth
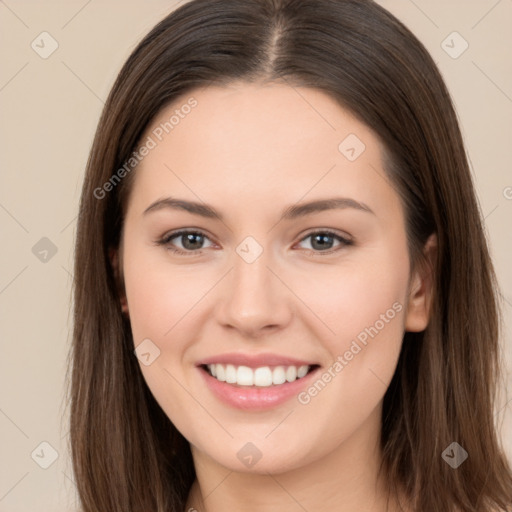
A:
(230, 374)
(244, 376)
(220, 372)
(278, 375)
(291, 373)
(263, 376)
(302, 371)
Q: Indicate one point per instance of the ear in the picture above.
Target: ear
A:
(116, 263)
(421, 289)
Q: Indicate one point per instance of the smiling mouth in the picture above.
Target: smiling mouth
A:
(263, 376)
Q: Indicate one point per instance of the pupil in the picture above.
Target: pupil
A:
(323, 241)
(189, 240)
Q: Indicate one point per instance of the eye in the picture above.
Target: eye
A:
(189, 242)
(324, 241)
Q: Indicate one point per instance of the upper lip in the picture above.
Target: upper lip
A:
(254, 360)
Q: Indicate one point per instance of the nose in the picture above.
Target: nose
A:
(254, 300)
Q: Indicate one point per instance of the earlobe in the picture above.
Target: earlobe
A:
(421, 290)
(115, 263)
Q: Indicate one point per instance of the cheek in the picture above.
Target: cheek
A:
(365, 309)
(362, 306)
(160, 297)
(161, 305)
(356, 295)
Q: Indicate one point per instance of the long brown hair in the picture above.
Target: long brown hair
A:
(127, 455)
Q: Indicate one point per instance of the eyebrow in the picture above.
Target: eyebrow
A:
(291, 212)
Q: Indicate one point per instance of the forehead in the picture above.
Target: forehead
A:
(244, 120)
(260, 143)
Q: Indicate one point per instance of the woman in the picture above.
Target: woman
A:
(284, 298)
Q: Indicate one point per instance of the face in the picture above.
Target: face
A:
(266, 274)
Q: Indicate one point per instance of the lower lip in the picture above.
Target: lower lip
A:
(254, 397)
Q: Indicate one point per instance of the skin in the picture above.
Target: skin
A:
(250, 151)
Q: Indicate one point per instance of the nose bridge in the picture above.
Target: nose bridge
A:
(251, 279)
(254, 297)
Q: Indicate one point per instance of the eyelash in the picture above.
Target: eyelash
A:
(166, 241)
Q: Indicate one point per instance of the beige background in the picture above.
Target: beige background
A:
(49, 110)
